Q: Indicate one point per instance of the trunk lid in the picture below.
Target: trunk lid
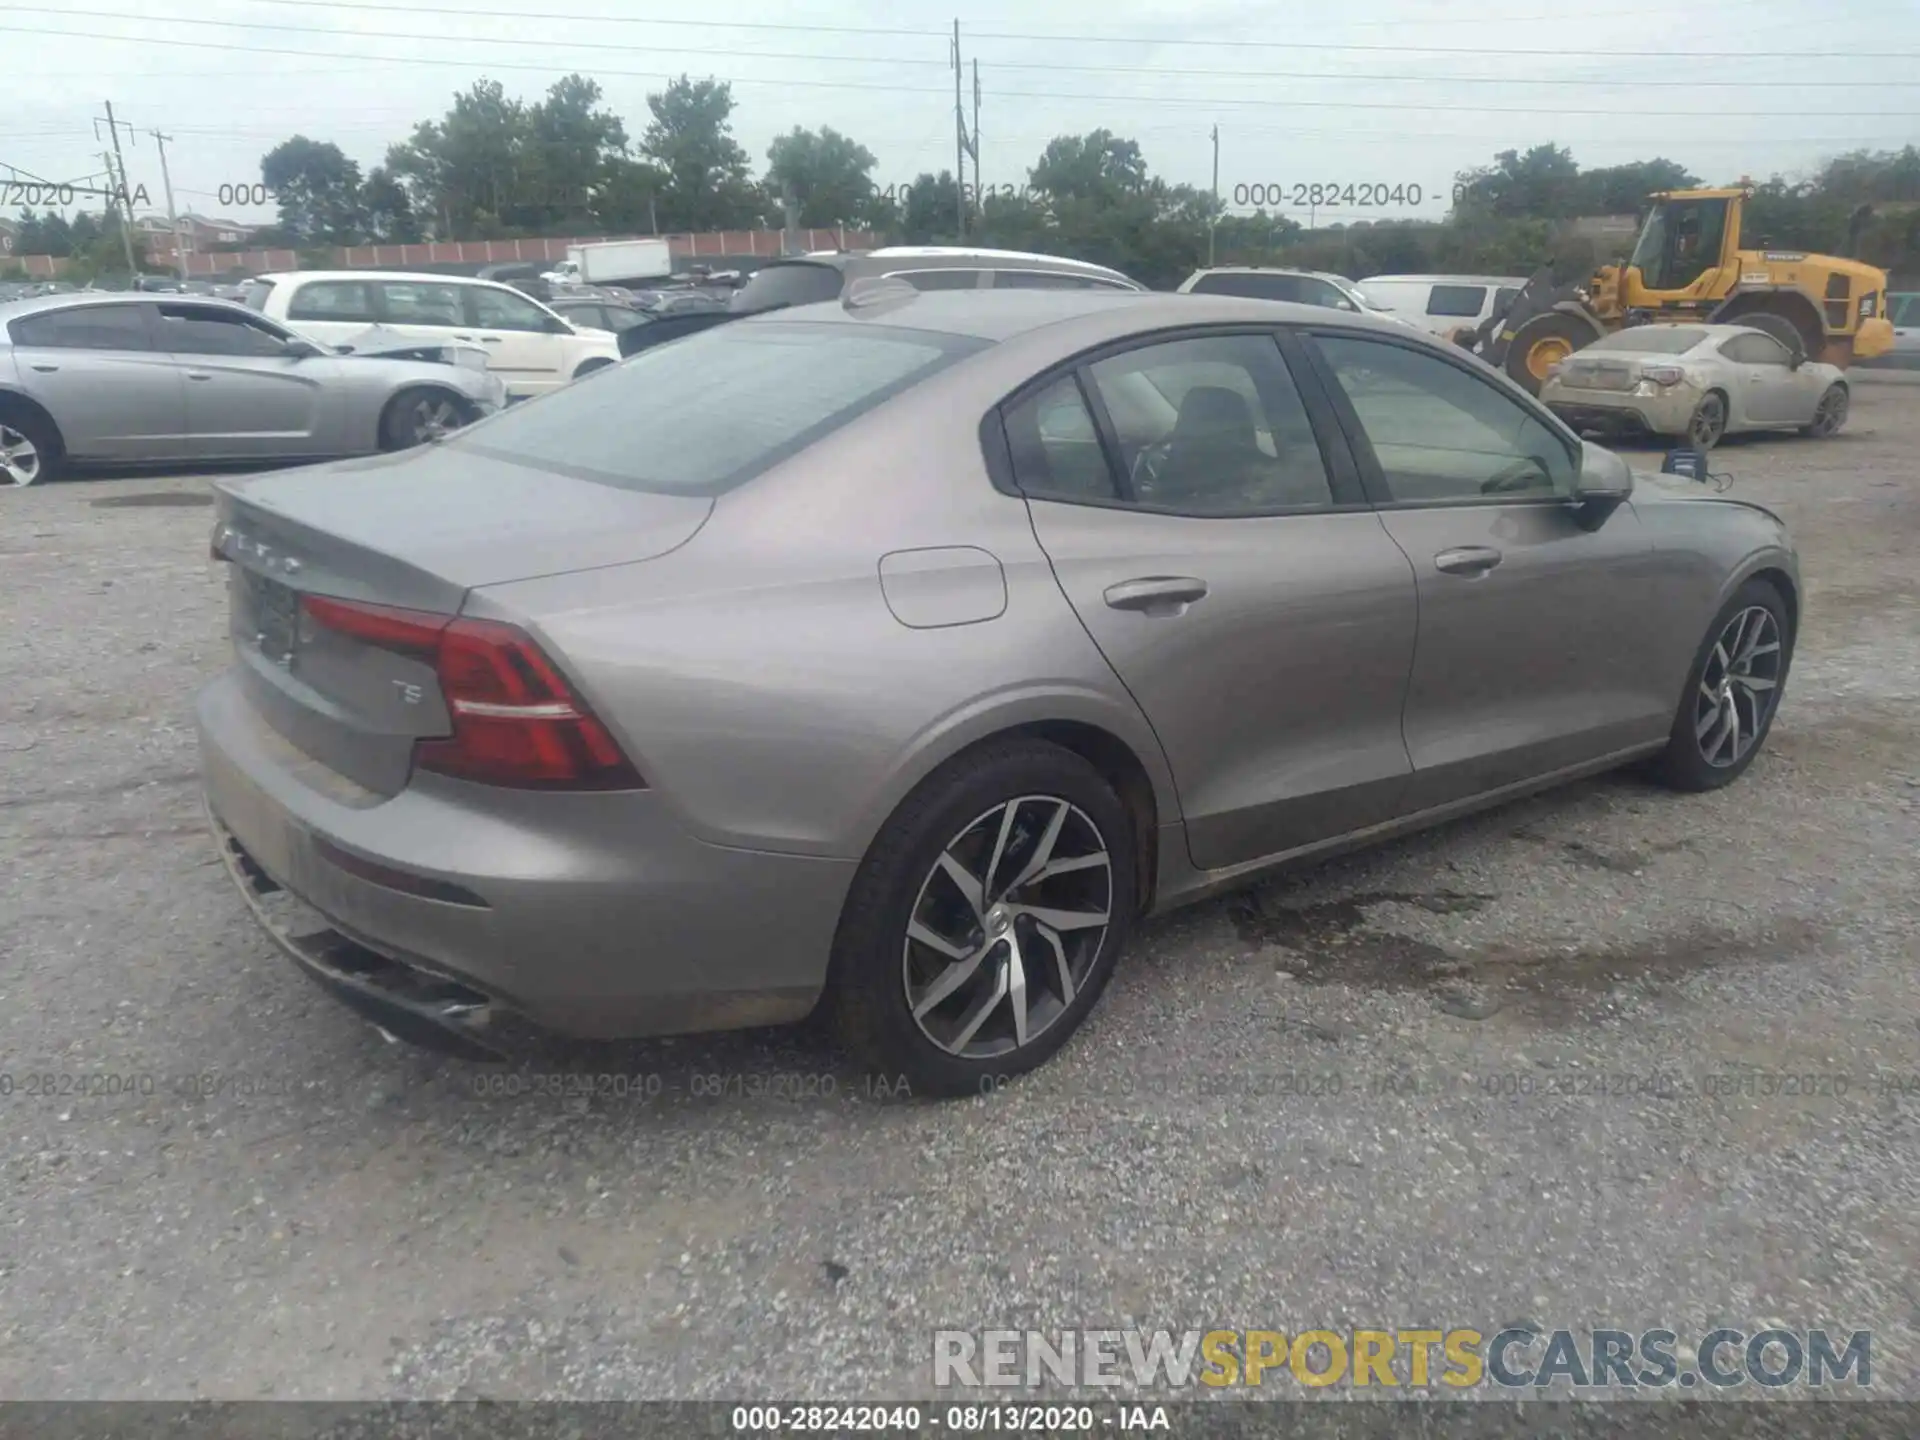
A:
(417, 531)
(1592, 373)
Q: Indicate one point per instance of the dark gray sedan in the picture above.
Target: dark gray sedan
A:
(149, 379)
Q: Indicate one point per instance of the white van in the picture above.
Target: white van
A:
(529, 347)
(1442, 303)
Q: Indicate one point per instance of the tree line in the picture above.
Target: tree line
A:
(494, 167)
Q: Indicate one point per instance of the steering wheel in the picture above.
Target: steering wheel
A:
(1520, 475)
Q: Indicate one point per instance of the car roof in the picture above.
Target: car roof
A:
(954, 255)
(279, 275)
(74, 299)
(998, 315)
(1449, 279)
(1266, 270)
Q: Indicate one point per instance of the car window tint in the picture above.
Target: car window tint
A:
(947, 279)
(1249, 286)
(503, 310)
(190, 330)
(1230, 435)
(1458, 300)
(414, 302)
(1040, 280)
(85, 327)
(350, 300)
(1441, 433)
(1055, 447)
(1755, 350)
(790, 283)
(711, 410)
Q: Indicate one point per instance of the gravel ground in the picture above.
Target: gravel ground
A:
(1464, 1080)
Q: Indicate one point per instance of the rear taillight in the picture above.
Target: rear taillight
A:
(1663, 374)
(516, 722)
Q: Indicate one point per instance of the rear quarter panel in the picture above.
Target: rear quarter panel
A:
(758, 676)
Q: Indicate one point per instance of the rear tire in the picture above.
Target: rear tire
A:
(423, 414)
(1830, 414)
(927, 967)
(1740, 671)
(1544, 340)
(30, 448)
(1709, 423)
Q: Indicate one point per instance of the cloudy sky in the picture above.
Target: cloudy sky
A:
(1383, 91)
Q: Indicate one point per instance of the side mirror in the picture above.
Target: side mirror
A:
(1604, 482)
(301, 350)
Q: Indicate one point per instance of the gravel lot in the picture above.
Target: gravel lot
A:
(1462, 1080)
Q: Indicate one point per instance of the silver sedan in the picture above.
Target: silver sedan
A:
(145, 379)
(1700, 382)
(900, 654)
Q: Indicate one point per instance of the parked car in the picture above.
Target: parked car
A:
(531, 348)
(1441, 304)
(592, 313)
(844, 656)
(1266, 282)
(140, 380)
(1702, 382)
(1903, 309)
(806, 279)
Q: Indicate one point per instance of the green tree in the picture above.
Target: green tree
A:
(1098, 169)
(1542, 182)
(1623, 189)
(318, 189)
(829, 176)
(387, 209)
(569, 147)
(708, 185)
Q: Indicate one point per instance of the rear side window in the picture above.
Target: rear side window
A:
(409, 302)
(1055, 448)
(712, 410)
(1040, 280)
(952, 279)
(1457, 300)
(349, 300)
(1252, 287)
(85, 327)
(1505, 296)
(795, 283)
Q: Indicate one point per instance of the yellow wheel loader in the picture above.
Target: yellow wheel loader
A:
(1688, 264)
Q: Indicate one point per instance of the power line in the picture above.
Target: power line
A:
(524, 42)
(787, 82)
(548, 17)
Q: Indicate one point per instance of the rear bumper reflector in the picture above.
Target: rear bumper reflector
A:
(389, 878)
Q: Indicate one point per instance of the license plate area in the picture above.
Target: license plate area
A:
(273, 613)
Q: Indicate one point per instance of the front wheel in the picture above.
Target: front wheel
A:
(1829, 415)
(985, 920)
(1732, 692)
(419, 417)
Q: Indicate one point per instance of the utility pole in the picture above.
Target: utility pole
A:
(126, 225)
(1213, 220)
(173, 219)
(959, 141)
(973, 140)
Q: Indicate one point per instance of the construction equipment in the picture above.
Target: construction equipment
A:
(1689, 264)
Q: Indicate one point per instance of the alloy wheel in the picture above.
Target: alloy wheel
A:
(434, 418)
(1007, 927)
(1831, 413)
(1707, 423)
(19, 458)
(1738, 687)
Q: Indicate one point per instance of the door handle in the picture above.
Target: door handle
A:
(199, 375)
(1467, 560)
(1156, 594)
(47, 369)
(490, 339)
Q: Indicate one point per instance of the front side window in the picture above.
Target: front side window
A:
(1457, 301)
(712, 410)
(1212, 426)
(85, 327)
(1441, 434)
(503, 310)
(1756, 350)
(196, 330)
(344, 300)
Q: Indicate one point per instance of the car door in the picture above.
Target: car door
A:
(1209, 530)
(251, 394)
(1772, 390)
(522, 346)
(1538, 633)
(95, 368)
(333, 312)
(430, 311)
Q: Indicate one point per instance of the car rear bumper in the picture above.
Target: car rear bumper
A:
(455, 916)
(1664, 414)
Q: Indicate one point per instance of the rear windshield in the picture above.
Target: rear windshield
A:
(796, 283)
(1651, 340)
(255, 297)
(710, 411)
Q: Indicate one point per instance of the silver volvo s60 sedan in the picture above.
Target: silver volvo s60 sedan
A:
(900, 654)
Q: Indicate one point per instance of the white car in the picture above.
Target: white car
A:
(1303, 287)
(1441, 304)
(1696, 381)
(529, 347)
